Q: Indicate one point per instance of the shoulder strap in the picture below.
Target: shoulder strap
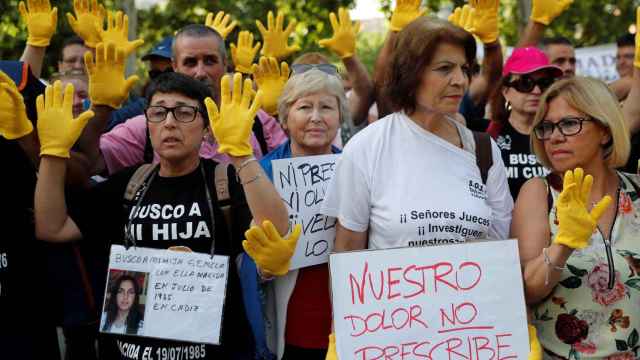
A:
(139, 177)
(221, 181)
(259, 133)
(484, 158)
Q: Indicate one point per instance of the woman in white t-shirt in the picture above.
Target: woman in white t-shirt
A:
(411, 179)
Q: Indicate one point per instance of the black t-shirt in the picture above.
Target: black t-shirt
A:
(26, 327)
(520, 162)
(173, 212)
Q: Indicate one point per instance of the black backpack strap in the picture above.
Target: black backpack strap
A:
(484, 156)
(138, 179)
(258, 131)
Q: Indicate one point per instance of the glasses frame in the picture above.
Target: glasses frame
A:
(519, 87)
(557, 125)
(172, 111)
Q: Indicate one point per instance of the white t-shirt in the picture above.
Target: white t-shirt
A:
(409, 187)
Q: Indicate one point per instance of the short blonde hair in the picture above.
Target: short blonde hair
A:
(310, 82)
(593, 98)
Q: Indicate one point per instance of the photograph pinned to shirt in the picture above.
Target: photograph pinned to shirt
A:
(124, 302)
(179, 295)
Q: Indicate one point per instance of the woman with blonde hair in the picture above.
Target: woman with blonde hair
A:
(580, 256)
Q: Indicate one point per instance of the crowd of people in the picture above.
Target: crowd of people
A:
(553, 158)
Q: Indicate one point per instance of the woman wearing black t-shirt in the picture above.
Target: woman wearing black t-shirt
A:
(181, 182)
(525, 76)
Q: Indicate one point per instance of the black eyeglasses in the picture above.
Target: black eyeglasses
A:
(526, 84)
(325, 68)
(182, 113)
(567, 126)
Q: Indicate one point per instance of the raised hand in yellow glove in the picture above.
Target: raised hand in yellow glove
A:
(107, 85)
(220, 23)
(343, 41)
(405, 12)
(269, 250)
(276, 39)
(41, 21)
(575, 222)
(271, 80)
(14, 123)
(535, 352)
(244, 53)
(544, 11)
(231, 125)
(57, 129)
(464, 17)
(485, 16)
(332, 354)
(89, 18)
(117, 32)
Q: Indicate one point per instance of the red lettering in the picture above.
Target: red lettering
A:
(483, 346)
(353, 325)
(419, 285)
(404, 352)
(407, 318)
(418, 347)
(414, 316)
(359, 286)
(365, 350)
(455, 318)
(475, 282)
(438, 277)
(392, 282)
(500, 346)
(378, 296)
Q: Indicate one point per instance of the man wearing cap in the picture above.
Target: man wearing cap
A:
(526, 74)
(160, 58)
(199, 52)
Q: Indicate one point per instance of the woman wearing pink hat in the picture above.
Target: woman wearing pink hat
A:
(525, 76)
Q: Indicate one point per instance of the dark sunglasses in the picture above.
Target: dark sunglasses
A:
(568, 126)
(325, 68)
(526, 83)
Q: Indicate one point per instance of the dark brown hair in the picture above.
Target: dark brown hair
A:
(414, 49)
(498, 103)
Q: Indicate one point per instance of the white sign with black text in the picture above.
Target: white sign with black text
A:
(165, 294)
(302, 183)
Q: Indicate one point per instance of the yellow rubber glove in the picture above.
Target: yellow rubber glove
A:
(405, 12)
(220, 23)
(485, 18)
(14, 123)
(343, 41)
(636, 60)
(544, 11)
(271, 80)
(464, 17)
(268, 249)
(89, 18)
(575, 223)
(275, 39)
(244, 53)
(41, 21)
(117, 32)
(107, 85)
(231, 125)
(57, 129)
(535, 352)
(332, 354)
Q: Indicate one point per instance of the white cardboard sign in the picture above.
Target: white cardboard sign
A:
(184, 295)
(302, 183)
(462, 301)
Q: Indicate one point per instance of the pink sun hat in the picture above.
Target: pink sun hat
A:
(527, 60)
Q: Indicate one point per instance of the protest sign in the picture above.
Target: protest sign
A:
(184, 296)
(302, 183)
(597, 61)
(462, 301)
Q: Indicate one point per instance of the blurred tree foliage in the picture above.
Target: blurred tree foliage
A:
(587, 22)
